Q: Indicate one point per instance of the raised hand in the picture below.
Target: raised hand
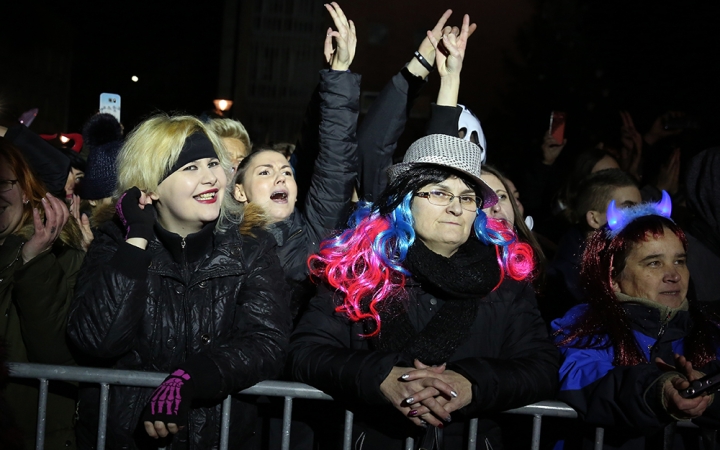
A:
(658, 131)
(449, 56)
(632, 142)
(83, 222)
(135, 210)
(427, 50)
(341, 56)
(169, 405)
(669, 175)
(551, 148)
(45, 235)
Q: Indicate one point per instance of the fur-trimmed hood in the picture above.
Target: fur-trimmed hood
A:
(253, 217)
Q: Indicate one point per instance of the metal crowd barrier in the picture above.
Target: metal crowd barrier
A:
(288, 390)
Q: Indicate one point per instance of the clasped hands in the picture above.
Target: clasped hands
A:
(427, 394)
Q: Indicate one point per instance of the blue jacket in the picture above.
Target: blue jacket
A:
(624, 399)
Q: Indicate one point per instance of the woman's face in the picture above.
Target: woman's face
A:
(270, 184)
(11, 201)
(443, 229)
(503, 208)
(656, 269)
(236, 150)
(191, 196)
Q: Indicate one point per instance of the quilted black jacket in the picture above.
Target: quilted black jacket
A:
(216, 305)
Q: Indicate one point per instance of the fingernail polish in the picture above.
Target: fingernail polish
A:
(413, 413)
(453, 393)
(440, 425)
(405, 376)
(448, 419)
(409, 400)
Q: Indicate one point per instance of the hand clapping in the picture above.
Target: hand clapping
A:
(45, 235)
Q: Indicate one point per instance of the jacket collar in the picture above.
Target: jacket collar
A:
(194, 247)
(648, 317)
(282, 230)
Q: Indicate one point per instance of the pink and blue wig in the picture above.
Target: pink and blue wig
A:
(365, 261)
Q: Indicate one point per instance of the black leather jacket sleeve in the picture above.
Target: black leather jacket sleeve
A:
(110, 298)
(335, 172)
(381, 129)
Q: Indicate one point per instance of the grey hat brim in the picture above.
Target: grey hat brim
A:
(489, 197)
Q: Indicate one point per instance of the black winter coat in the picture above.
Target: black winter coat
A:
(326, 176)
(508, 358)
(213, 303)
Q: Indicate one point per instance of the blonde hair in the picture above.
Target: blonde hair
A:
(154, 146)
(229, 128)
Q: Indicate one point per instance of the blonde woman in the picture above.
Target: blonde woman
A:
(175, 282)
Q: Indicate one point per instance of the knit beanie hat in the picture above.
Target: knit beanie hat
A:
(101, 173)
(103, 136)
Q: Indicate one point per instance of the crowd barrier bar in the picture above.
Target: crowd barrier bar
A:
(286, 389)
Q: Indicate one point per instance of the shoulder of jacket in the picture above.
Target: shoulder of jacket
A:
(254, 220)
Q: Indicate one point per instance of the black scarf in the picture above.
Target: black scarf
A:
(461, 281)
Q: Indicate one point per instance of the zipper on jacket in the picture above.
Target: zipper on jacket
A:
(663, 327)
(182, 243)
(294, 234)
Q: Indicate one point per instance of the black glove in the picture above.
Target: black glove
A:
(170, 402)
(138, 222)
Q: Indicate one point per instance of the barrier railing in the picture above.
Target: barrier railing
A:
(287, 390)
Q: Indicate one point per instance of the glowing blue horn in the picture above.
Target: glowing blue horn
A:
(614, 217)
(664, 207)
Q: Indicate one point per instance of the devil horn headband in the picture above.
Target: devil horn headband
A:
(619, 218)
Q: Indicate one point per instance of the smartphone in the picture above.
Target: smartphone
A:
(557, 126)
(110, 104)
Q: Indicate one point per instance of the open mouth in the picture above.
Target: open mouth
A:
(279, 196)
(206, 196)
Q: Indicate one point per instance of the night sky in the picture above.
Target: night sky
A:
(172, 47)
(589, 58)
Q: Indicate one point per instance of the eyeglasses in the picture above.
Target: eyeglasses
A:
(6, 185)
(441, 198)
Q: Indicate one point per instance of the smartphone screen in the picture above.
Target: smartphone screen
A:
(110, 104)
(557, 126)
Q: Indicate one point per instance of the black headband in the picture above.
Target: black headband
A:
(197, 146)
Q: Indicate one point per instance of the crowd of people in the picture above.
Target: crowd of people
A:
(419, 294)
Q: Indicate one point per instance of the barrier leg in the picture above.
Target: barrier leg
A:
(225, 424)
(599, 438)
(472, 434)
(409, 443)
(347, 436)
(102, 420)
(287, 417)
(42, 414)
(537, 428)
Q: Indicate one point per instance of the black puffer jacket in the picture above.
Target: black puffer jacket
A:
(508, 358)
(213, 303)
(326, 176)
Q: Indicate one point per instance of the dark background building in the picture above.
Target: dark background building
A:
(527, 58)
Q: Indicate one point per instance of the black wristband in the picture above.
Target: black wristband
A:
(423, 61)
